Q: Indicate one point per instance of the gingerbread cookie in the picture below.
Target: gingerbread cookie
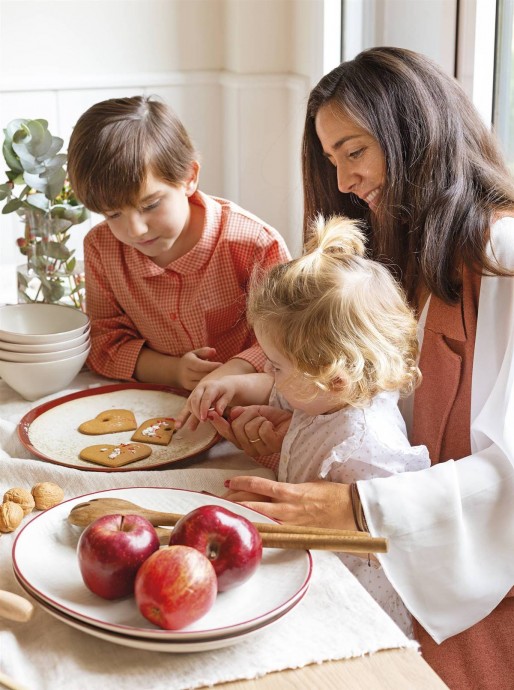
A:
(157, 430)
(108, 422)
(115, 456)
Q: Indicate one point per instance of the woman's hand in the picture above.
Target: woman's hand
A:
(194, 365)
(320, 503)
(258, 429)
(244, 497)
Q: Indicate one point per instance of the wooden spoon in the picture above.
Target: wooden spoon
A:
(273, 535)
(84, 513)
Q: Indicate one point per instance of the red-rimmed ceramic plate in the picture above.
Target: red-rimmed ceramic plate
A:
(50, 431)
(279, 583)
(151, 645)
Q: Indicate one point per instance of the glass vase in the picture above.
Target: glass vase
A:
(51, 273)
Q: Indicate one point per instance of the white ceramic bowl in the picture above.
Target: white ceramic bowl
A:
(35, 380)
(38, 323)
(45, 347)
(43, 356)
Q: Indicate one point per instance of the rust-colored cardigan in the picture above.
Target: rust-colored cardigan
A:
(482, 657)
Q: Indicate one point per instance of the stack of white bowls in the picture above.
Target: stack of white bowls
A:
(42, 347)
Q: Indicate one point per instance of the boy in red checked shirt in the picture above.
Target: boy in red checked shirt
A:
(167, 272)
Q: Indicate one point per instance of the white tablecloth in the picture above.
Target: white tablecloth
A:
(336, 619)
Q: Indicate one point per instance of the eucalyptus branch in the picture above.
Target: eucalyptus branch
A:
(46, 203)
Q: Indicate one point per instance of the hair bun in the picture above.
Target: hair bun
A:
(338, 236)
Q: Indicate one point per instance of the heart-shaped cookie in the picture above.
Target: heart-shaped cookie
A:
(109, 421)
(115, 456)
(157, 430)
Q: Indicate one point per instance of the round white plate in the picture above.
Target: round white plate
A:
(45, 562)
(50, 431)
(182, 647)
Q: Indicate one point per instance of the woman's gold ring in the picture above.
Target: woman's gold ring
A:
(255, 440)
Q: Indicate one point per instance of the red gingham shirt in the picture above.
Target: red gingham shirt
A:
(198, 300)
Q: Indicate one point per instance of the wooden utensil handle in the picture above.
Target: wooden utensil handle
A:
(355, 543)
(10, 683)
(15, 608)
(316, 542)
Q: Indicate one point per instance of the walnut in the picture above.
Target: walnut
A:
(11, 514)
(21, 496)
(47, 495)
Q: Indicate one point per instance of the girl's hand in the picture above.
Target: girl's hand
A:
(317, 504)
(211, 395)
(194, 365)
(259, 429)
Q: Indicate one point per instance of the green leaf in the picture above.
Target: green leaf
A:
(14, 126)
(27, 160)
(55, 162)
(55, 183)
(55, 146)
(11, 158)
(74, 214)
(38, 201)
(71, 265)
(53, 291)
(59, 226)
(15, 177)
(56, 250)
(33, 137)
(12, 205)
(36, 182)
(22, 133)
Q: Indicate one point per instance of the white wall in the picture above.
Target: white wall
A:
(236, 71)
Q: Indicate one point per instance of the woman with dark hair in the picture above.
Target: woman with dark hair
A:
(392, 140)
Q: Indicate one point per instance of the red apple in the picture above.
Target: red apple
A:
(230, 541)
(110, 551)
(175, 587)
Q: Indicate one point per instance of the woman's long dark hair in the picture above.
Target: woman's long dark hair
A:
(446, 176)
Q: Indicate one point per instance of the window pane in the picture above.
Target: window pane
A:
(503, 117)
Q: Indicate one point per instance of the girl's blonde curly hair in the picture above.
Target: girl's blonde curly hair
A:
(339, 316)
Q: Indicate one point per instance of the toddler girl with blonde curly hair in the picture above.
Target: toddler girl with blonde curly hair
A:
(341, 343)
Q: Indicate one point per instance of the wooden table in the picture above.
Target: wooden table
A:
(393, 669)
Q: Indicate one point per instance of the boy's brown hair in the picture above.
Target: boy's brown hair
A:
(118, 142)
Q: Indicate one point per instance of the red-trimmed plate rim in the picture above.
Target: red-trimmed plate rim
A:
(29, 418)
(177, 646)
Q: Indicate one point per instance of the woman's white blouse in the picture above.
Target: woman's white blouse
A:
(451, 526)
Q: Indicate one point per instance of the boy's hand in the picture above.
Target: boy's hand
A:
(194, 365)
